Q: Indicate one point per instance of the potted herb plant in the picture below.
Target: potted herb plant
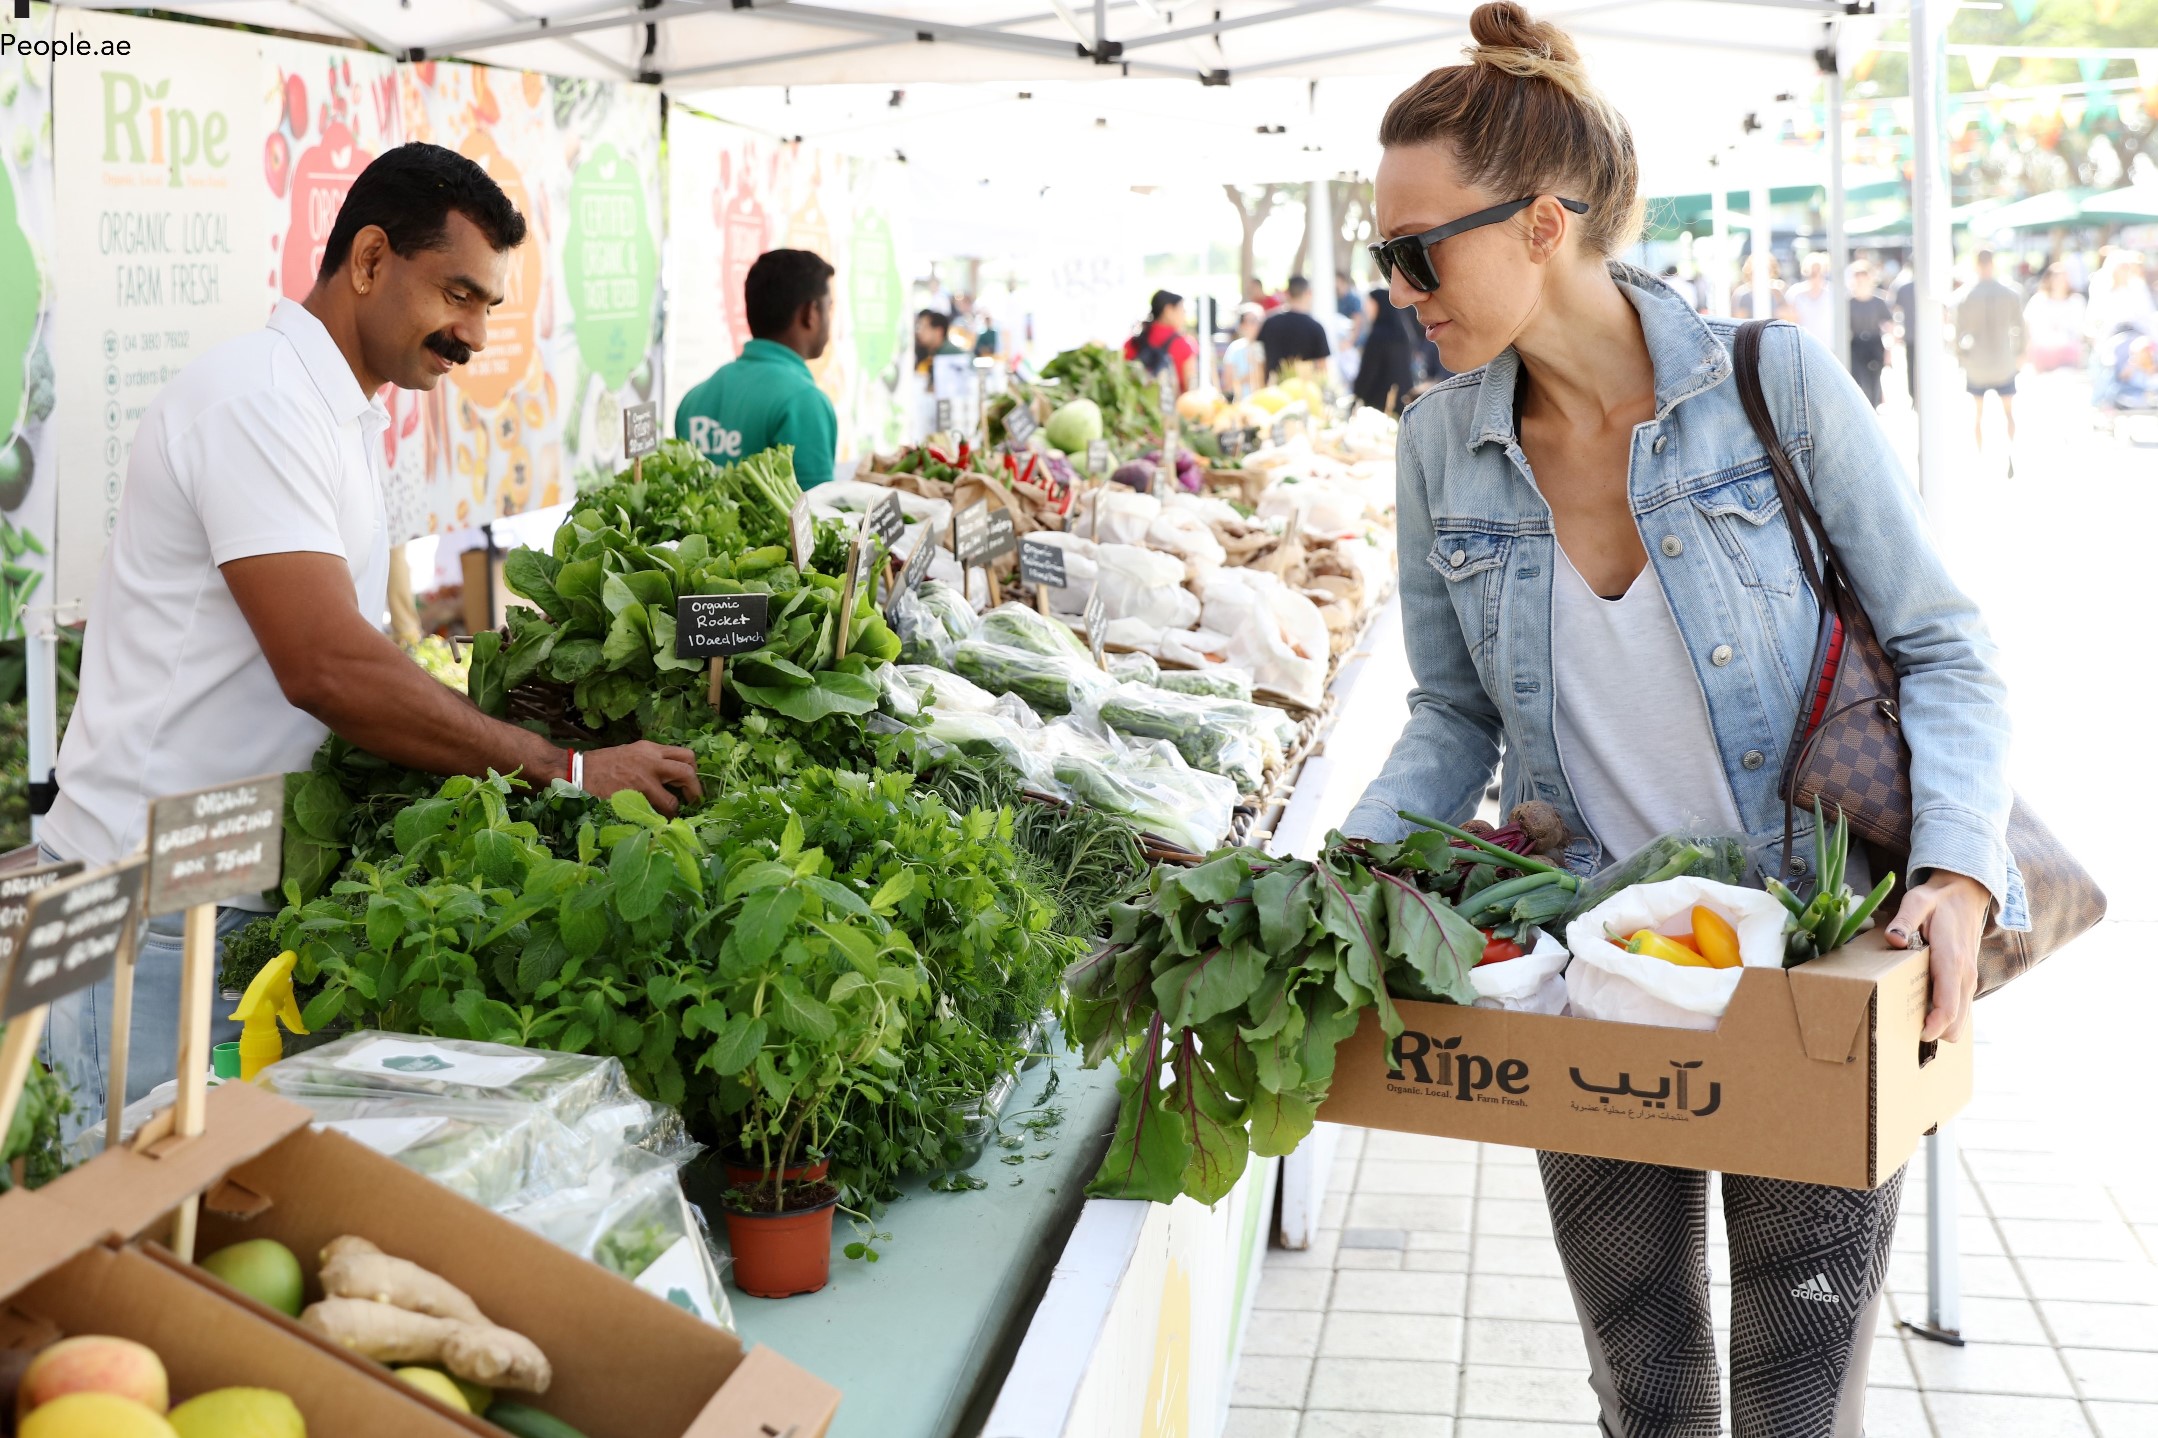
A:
(809, 997)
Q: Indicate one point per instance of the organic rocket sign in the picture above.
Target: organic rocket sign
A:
(611, 265)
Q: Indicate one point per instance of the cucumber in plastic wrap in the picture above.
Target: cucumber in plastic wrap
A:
(1721, 857)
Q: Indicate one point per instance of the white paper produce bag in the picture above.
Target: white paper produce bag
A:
(1535, 983)
(1117, 516)
(1274, 632)
(1189, 537)
(1146, 585)
(1606, 982)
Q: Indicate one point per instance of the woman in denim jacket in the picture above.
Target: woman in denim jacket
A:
(1596, 568)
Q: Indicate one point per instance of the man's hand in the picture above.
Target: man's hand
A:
(653, 770)
(1948, 914)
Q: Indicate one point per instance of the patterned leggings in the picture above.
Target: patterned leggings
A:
(1807, 1267)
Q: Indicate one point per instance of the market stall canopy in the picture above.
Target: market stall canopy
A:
(2134, 205)
(1235, 66)
(2047, 210)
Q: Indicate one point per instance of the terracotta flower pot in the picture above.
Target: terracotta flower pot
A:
(778, 1255)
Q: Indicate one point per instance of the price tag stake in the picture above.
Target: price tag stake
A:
(713, 626)
(1097, 628)
(207, 847)
(640, 436)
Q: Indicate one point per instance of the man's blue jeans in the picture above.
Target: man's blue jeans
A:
(78, 1029)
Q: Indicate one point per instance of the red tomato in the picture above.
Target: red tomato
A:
(1497, 950)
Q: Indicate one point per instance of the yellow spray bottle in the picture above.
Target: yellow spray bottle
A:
(268, 999)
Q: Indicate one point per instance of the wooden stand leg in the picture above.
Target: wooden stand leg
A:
(716, 684)
(198, 976)
(123, 1024)
(16, 1051)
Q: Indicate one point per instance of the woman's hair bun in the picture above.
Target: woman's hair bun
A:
(1507, 39)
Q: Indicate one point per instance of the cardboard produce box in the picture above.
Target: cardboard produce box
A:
(1814, 1074)
(62, 1282)
(626, 1364)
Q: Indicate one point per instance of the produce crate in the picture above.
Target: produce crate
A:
(64, 1280)
(626, 1364)
(1814, 1074)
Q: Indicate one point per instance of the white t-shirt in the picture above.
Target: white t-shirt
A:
(1632, 723)
(265, 445)
(1816, 312)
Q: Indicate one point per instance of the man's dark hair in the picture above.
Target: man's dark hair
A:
(938, 320)
(409, 192)
(779, 284)
(1159, 305)
(1298, 287)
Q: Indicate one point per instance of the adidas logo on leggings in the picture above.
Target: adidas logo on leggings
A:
(1816, 1290)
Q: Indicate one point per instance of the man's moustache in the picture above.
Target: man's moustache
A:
(451, 349)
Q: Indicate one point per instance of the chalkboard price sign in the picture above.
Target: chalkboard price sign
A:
(1097, 456)
(15, 891)
(1019, 427)
(887, 523)
(1281, 429)
(70, 935)
(216, 844)
(1168, 389)
(1232, 443)
(1097, 628)
(917, 568)
(1041, 563)
(970, 528)
(802, 529)
(640, 430)
(720, 624)
(1000, 537)
(944, 416)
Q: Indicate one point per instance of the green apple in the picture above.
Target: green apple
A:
(264, 1270)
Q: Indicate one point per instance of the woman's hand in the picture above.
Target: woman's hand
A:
(1948, 914)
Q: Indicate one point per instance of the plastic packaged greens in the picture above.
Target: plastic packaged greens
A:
(1222, 682)
(1019, 627)
(1148, 783)
(1051, 683)
(1134, 668)
(999, 737)
(558, 1143)
(922, 636)
(951, 608)
(1721, 857)
(1205, 731)
(942, 690)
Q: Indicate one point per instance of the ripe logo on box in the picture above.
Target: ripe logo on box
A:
(1672, 1097)
(1467, 1075)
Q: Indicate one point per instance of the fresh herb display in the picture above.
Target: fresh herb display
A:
(1227, 990)
(1130, 407)
(1834, 915)
(33, 1137)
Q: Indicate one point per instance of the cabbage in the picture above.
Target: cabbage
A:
(1075, 425)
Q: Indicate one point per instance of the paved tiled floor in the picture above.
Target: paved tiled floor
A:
(1432, 1302)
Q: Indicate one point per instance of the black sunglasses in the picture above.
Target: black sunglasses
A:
(1412, 253)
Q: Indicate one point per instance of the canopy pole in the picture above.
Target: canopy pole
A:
(1930, 252)
(1764, 239)
(1717, 273)
(41, 682)
(1839, 245)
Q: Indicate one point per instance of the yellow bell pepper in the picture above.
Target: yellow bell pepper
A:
(1715, 938)
(1656, 946)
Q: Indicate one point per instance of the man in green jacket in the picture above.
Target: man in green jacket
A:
(767, 397)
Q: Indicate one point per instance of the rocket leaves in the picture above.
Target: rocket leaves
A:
(1225, 992)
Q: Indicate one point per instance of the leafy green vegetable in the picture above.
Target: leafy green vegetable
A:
(1226, 992)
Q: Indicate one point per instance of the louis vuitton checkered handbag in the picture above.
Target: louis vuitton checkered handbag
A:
(1848, 751)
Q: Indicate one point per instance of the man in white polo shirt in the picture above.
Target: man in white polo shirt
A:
(234, 623)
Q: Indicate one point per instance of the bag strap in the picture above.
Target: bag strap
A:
(1808, 534)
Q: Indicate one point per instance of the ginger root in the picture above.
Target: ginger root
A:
(476, 1352)
(354, 1268)
(394, 1311)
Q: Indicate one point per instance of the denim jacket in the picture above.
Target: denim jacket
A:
(1478, 548)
